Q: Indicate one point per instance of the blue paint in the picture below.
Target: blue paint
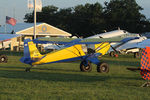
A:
(26, 58)
(129, 39)
(93, 58)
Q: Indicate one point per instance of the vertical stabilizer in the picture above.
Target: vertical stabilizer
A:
(31, 53)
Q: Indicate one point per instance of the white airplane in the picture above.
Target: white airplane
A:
(128, 44)
(110, 34)
(144, 43)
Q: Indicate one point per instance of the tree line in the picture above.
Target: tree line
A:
(89, 19)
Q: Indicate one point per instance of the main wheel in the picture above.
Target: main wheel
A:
(27, 69)
(103, 68)
(3, 59)
(84, 68)
(137, 55)
(112, 54)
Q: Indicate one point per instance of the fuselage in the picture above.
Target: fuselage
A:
(75, 52)
(110, 34)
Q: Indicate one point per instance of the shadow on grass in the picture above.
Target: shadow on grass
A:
(63, 77)
(58, 69)
(5, 93)
(1, 67)
(126, 78)
(12, 53)
(60, 77)
(123, 63)
(50, 69)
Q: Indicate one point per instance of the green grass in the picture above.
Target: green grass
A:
(64, 81)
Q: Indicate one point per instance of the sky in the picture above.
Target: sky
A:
(18, 8)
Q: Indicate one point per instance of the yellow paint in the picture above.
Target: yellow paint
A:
(102, 48)
(34, 53)
(66, 53)
(63, 54)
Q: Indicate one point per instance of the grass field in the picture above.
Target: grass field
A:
(64, 81)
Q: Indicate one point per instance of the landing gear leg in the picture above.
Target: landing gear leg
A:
(137, 55)
(146, 84)
(28, 69)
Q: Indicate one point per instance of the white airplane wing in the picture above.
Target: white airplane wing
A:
(144, 43)
(5, 37)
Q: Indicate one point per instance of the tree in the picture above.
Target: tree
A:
(64, 19)
(88, 19)
(125, 14)
(47, 15)
(29, 18)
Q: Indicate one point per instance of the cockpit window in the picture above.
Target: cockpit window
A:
(84, 48)
(88, 49)
(125, 31)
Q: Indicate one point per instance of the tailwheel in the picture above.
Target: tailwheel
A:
(103, 68)
(84, 68)
(27, 69)
(3, 59)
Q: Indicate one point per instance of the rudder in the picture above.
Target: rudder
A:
(31, 53)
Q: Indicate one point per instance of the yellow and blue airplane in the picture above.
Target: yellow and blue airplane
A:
(86, 50)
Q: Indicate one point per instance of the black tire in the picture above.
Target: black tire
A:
(112, 54)
(137, 55)
(87, 68)
(27, 69)
(103, 68)
(3, 59)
